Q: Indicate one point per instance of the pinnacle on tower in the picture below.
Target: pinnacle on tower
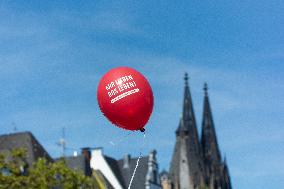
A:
(208, 137)
(205, 88)
(186, 79)
(187, 121)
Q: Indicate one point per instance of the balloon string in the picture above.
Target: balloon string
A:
(137, 163)
(121, 139)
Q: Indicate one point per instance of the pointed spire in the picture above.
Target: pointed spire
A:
(186, 79)
(188, 118)
(208, 137)
(205, 88)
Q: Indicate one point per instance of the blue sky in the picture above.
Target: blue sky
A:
(52, 55)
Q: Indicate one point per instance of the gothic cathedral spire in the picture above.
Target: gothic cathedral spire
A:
(187, 122)
(186, 168)
(209, 142)
(216, 171)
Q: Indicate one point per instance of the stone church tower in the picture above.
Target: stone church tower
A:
(197, 163)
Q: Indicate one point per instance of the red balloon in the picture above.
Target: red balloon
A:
(125, 97)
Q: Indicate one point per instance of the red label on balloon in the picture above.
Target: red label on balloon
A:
(125, 98)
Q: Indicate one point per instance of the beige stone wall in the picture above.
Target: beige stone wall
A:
(166, 184)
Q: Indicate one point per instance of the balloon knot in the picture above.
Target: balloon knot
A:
(142, 130)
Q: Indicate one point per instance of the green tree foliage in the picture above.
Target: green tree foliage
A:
(14, 174)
